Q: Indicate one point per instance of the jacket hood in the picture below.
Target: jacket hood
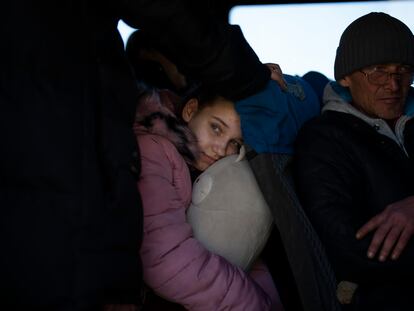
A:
(156, 114)
(338, 98)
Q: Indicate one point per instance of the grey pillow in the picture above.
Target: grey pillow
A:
(228, 213)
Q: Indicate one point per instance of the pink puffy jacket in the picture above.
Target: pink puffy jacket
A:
(176, 266)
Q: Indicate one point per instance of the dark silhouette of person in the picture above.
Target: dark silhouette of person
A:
(71, 219)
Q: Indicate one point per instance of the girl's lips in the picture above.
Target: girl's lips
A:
(207, 159)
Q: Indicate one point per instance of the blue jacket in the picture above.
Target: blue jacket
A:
(272, 118)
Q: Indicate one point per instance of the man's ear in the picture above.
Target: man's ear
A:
(344, 81)
(190, 109)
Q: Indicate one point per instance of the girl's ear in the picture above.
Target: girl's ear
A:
(190, 109)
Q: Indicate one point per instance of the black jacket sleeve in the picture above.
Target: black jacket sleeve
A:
(213, 52)
(332, 188)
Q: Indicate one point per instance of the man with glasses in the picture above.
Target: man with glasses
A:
(354, 164)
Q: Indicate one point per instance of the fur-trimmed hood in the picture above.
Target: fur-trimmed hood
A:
(157, 114)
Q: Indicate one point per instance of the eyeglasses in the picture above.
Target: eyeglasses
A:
(380, 77)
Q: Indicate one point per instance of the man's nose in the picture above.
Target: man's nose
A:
(394, 82)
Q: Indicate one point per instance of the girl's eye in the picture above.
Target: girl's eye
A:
(234, 146)
(216, 128)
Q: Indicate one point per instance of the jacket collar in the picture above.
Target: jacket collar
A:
(337, 98)
(156, 115)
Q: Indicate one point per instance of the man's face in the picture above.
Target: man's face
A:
(380, 91)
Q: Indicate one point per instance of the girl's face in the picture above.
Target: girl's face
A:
(217, 129)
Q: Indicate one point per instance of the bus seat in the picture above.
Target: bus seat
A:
(310, 267)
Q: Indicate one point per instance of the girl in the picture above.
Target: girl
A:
(174, 147)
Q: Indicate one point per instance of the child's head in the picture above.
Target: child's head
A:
(216, 125)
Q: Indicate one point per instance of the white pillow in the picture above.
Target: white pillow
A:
(228, 213)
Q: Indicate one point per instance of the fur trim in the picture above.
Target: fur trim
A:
(155, 114)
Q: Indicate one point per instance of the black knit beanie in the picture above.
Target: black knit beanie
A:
(375, 38)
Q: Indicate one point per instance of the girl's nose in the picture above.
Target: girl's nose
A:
(219, 149)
